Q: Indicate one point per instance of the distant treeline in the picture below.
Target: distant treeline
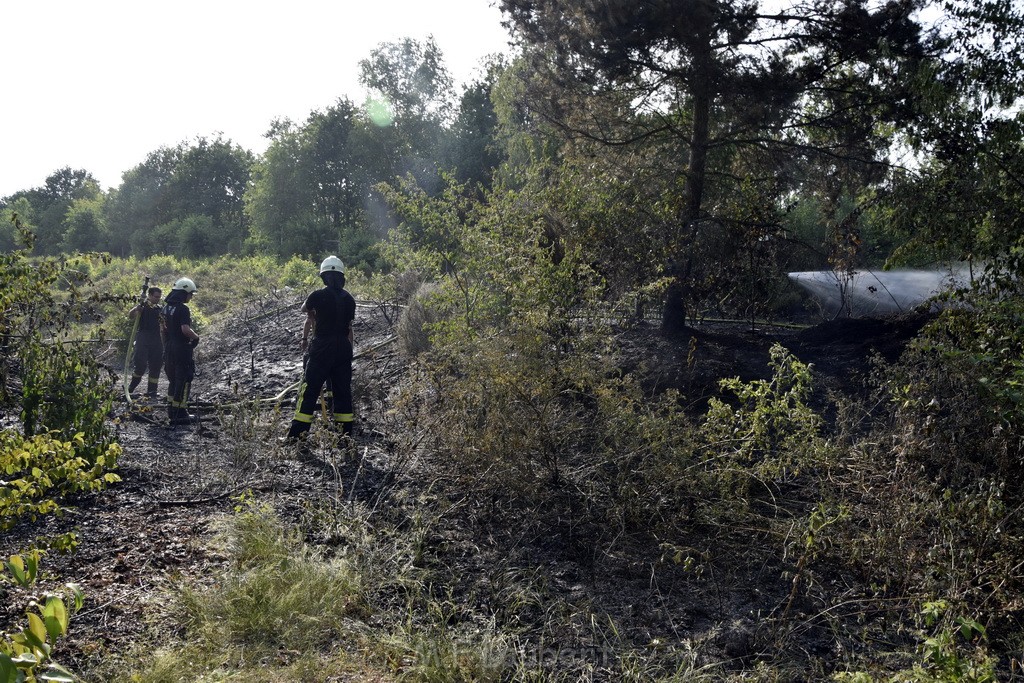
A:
(690, 164)
(311, 192)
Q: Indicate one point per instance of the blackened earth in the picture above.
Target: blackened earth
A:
(155, 527)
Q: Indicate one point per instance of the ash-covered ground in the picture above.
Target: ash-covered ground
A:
(156, 526)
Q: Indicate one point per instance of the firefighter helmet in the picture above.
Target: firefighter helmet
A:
(186, 285)
(332, 264)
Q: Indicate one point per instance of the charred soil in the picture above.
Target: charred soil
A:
(154, 528)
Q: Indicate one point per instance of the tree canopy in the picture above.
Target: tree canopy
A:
(693, 150)
(755, 98)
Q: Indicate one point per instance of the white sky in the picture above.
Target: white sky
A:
(98, 84)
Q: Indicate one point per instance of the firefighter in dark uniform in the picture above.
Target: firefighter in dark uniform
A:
(181, 339)
(149, 346)
(329, 315)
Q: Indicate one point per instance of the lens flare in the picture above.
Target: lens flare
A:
(380, 112)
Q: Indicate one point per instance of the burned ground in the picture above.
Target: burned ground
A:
(154, 528)
(840, 351)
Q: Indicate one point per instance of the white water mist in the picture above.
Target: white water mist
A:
(868, 293)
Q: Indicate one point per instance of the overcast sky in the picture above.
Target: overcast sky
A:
(98, 84)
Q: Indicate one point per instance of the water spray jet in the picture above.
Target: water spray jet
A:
(865, 293)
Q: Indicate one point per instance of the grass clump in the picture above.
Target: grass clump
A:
(278, 607)
(277, 593)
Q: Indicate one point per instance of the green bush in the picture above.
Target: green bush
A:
(40, 469)
(27, 656)
(65, 445)
(299, 272)
(968, 368)
(772, 433)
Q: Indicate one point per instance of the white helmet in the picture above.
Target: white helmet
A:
(332, 264)
(186, 285)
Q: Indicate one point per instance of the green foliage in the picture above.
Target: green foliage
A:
(951, 650)
(412, 79)
(963, 204)
(519, 371)
(23, 570)
(658, 467)
(773, 432)
(225, 283)
(38, 470)
(527, 387)
(27, 656)
(956, 435)
(67, 206)
(65, 446)
(191, 236)
(311, 188)
(186, 200)
(929, 476)
(62, 388)
(962, 387)
(16, 225)
(86, 227)
(504, 348)
(621, 218)
(527, 407)
(299, 273)
(474, 153)
(746, 130)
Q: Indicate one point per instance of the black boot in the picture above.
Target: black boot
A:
(296, 439)
(297, 430)
(180, 416)
(134, 383)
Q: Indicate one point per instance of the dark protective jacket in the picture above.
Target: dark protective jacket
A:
(335, 311)
(176, 313)
(330, 359)
(179, 366)
(149, 320)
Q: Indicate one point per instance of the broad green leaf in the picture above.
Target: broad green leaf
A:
(8, 671)
(16, 566)
(53, 628)
(56, 610)
(36, 632)
(26, 658)
(55, 672)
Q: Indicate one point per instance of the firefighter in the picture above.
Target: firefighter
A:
(329, 315)
(181, 340)
(149, 347)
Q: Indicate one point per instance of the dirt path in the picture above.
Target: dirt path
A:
(177, 481)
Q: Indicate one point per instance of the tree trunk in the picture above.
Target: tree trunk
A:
(673, 317)
(701, 95)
